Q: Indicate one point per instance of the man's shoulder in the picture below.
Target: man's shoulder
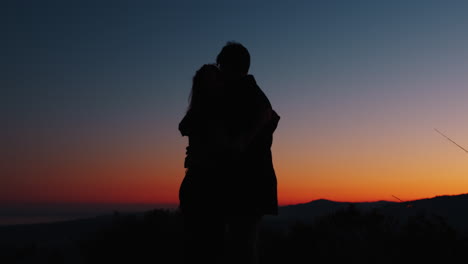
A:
(259, 95)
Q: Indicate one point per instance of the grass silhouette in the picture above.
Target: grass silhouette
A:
(347, 235)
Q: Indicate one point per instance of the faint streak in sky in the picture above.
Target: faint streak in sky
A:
(466, 151)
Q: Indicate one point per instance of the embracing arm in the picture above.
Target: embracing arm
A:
(264, 118)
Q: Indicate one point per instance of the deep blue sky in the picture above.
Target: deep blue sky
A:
(76, 56)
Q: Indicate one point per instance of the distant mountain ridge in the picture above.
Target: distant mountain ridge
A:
(452, 208)
(320, 207)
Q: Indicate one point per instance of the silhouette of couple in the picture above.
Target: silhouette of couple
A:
(230, 182)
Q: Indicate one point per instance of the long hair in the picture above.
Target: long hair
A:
(205, 88)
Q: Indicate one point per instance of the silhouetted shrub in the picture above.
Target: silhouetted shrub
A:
(348, 235)
(155, 236)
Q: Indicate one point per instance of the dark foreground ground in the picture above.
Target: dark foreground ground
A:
(346, 235)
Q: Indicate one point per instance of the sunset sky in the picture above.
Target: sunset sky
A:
(93, 91)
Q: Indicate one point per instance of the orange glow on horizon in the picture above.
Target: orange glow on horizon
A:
(138, 173)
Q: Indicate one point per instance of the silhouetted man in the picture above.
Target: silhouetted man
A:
(251, 185)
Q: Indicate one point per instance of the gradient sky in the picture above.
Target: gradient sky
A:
(93, 91)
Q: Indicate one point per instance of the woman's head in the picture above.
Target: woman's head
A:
(206, 84)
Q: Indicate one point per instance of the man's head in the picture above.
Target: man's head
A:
(234, 59)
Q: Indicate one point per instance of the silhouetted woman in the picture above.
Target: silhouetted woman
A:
(201, 192)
